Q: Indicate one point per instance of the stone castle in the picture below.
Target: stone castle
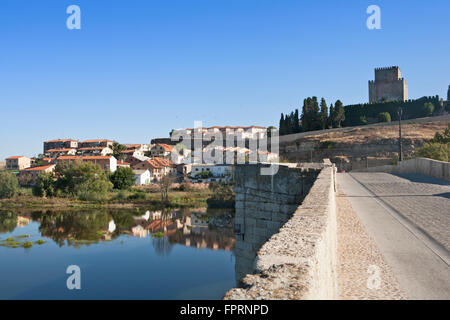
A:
(388, 85)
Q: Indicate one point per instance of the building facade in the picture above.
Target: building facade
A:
(388, 85)
(107, 163)
(29, 176)
(17, 163)
(60, 144)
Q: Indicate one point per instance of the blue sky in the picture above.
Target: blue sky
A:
(139, 68)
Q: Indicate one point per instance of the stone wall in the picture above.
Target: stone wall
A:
(429, 167)
(263, 204)
(299, 259)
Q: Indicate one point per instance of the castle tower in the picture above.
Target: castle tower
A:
(388, 85)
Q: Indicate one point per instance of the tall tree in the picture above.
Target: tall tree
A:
(323, 113)
(282, 127)
(339, 113)
(331, 117)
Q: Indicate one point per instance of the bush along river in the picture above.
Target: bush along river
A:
(139, 254)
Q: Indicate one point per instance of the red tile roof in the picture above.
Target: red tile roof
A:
(15, 157)
(42, 168)
(61, 140)
(166, 147)
(84, 157)
(60, 150)
(97, 140)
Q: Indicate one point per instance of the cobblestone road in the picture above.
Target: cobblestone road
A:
(423, 200)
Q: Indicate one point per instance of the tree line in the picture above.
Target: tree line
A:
(314, 116)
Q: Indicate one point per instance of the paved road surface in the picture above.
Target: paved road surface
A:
(408, 217)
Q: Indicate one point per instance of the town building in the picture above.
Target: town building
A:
(95, 143)
(162, 150)
(94, 151)
(54, 153)
(142, 177)
(123, 164)
(60, 144)
(217, 172)
(17, 163)
(107, 163)
(158, 167)
(29, 176)
(388, 85)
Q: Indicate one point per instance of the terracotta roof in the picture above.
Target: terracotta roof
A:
(97, 140)
(15, 157)
(60, 150)
(61, 140)
(163, 162)
(166, 147)
(84, 157)
(123, 163)
(42, 168)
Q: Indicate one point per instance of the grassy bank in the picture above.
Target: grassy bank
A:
(115, 199)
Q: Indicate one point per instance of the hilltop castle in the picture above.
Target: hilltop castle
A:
(388, 85)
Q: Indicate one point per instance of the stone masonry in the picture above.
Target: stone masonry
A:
(287, 251)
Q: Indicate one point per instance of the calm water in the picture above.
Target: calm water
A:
(168, 254)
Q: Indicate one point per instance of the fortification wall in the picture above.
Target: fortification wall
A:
(299, 259)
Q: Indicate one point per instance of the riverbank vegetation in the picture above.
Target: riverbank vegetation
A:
(86, 185)
(437, 148)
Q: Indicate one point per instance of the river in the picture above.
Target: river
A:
(138, 254)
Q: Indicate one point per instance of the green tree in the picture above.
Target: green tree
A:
(123, 178)
(45, 185)
(323, 113)
(428, 109)
(339, 113)
(437, 148)
(117, 149)
(384, 117)
(436, 151)
(83, 179)
(9, 185)
(331, 117)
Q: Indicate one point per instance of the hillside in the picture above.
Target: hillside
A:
(361, 146)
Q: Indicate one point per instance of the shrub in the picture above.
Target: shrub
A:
(434, 150)
(123, 178)
(384, 117)
(428, 109)
(45, 185)
(9, 185)
(138, 194)
(82, 179)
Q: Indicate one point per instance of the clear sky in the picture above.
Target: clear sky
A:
(138, 68)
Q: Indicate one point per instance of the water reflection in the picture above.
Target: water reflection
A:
(199, 228)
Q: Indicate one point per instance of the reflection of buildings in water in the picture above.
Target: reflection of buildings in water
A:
(188, 229)
(139, 231)
(111, 226)
(146, 216)
(22, 221)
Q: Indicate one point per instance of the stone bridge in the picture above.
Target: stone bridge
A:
(310, 233)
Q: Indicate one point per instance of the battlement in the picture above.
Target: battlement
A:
(388, 85)
(388, 68)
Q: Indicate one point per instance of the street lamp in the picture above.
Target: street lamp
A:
(400, 153)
